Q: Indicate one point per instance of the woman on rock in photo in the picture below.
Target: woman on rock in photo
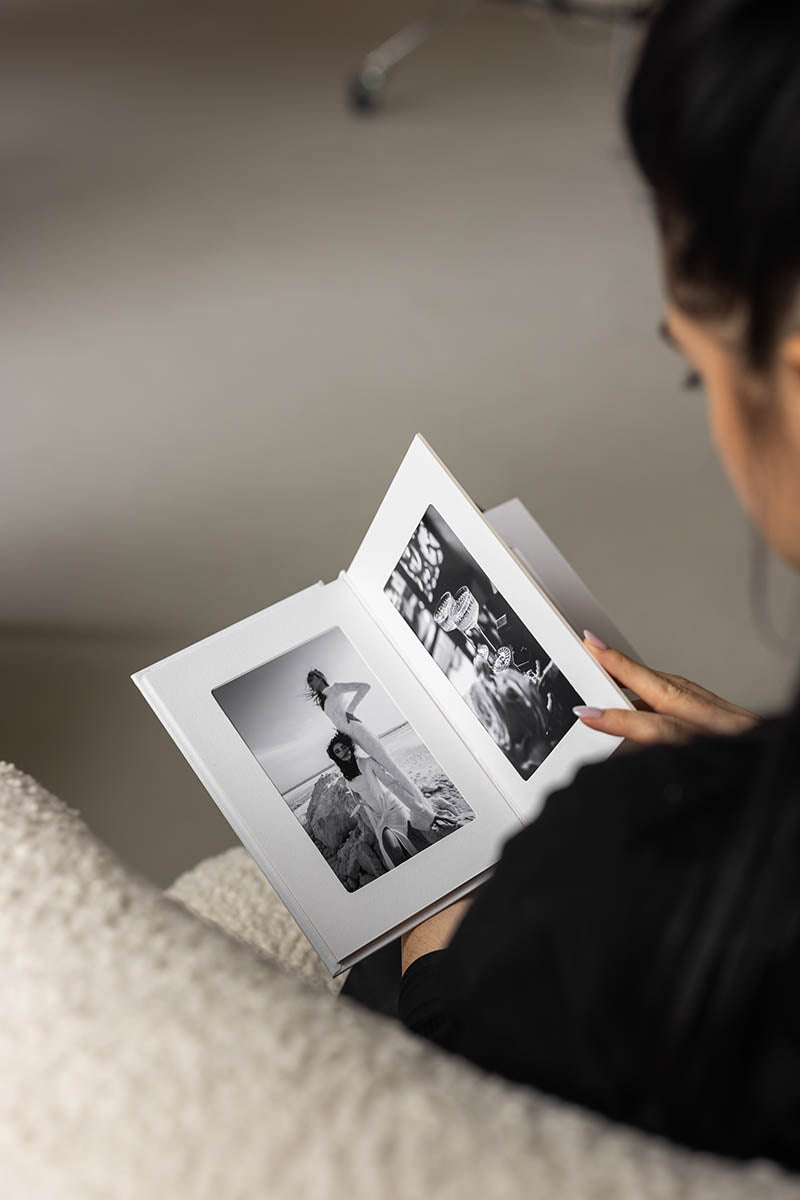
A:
(330, 697)
(383, 803)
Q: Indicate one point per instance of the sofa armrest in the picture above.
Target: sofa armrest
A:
(230, 891)
(146, 1054)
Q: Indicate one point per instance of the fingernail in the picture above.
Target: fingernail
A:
(586, 710)
(594, 640)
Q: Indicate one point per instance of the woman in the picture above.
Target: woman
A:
(638, 947)
(330, 697)
(382, 802)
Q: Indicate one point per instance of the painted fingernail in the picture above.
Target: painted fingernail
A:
(594, 640)
(586, 710)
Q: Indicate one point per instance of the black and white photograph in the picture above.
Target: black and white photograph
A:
(514, 688)
(364, 787)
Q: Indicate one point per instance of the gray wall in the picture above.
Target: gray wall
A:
(227, 305)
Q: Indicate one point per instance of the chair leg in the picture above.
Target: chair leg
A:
(367, 85)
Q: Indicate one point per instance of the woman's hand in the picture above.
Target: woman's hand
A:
(670, 709)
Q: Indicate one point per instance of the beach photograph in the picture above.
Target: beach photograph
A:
(353, 771)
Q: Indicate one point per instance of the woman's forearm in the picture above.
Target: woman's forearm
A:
(435, 933)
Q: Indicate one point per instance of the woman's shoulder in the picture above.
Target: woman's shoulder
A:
(691, 772)
(654, 788)
(630, 827)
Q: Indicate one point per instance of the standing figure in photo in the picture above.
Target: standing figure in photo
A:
(383, 803)
(330, 697)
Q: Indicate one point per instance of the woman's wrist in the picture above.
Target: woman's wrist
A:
(435, 933)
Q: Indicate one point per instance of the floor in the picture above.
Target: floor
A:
(227, 304)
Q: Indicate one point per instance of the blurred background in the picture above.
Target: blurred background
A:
(228, 303)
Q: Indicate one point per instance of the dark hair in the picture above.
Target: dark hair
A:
(313, 696)
(713, 117)
(349, 768)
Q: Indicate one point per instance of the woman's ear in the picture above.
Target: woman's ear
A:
(789, 366)
(790, 352)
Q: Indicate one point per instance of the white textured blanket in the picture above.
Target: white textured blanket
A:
(146, 1054)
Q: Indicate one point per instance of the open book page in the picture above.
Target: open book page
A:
(488, 645)
(546, 564)
(338, 772)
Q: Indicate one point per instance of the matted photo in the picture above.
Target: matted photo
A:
(513, 687)
(363, 786)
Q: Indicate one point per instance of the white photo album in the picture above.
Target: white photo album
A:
(374, 741)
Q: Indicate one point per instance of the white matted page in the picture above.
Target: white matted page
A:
(245, 707)
(489, 646)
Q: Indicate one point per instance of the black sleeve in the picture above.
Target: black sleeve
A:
(421, 1005)
(552, 975)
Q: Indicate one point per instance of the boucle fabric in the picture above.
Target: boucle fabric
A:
(230, 891)
(146, 1054)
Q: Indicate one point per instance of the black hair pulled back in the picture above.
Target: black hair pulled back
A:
(713, 117)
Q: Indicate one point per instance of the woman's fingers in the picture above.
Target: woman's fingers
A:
(646, 683)
(712, 697)
(646, 728)
(672, 695)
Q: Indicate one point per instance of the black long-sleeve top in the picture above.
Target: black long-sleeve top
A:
(568, 970)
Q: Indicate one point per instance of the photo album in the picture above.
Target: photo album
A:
(375, 741)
